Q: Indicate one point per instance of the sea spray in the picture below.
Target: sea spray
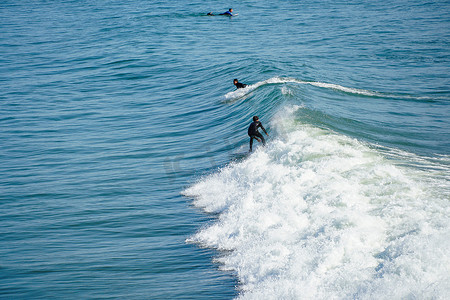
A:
(321, 215)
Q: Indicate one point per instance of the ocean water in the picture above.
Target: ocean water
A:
(124, 164)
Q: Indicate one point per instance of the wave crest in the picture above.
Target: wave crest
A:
(242, 93)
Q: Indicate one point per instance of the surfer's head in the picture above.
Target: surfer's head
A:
(230, 10)
(255, 118)
(235, 81)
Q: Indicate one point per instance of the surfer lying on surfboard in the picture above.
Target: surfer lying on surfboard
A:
(238, 84)
(253, 132)
(227, 13)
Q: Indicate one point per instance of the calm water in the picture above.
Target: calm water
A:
(123, 166)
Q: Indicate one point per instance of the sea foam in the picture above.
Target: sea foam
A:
(318, 215)
(241, 93)
(244, 92)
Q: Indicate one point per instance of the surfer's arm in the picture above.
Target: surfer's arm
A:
(262, 127)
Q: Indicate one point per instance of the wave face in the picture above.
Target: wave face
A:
(280, 80)
(321, 215)
(240, 93)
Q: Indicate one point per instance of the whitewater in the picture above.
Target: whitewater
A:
(241, 93)
(320, 215)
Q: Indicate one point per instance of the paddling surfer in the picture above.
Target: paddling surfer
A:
(228, 13)
(238, 84)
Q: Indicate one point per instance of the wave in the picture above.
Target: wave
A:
(241, 93)
(321, 215)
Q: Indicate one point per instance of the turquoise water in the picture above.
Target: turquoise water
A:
(123, 150)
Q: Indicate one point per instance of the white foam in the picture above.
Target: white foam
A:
(343, 88)
(241, 93)
(286, 91)
(316, 215)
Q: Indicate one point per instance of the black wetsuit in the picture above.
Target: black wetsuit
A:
(240, 85)
(254, 133)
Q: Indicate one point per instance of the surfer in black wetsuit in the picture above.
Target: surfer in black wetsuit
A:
(253, 132)
(238, 84)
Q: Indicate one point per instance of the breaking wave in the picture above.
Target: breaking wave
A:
(240, 93)
(317, 214)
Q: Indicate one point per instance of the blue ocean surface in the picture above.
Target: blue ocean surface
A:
(124, 163)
